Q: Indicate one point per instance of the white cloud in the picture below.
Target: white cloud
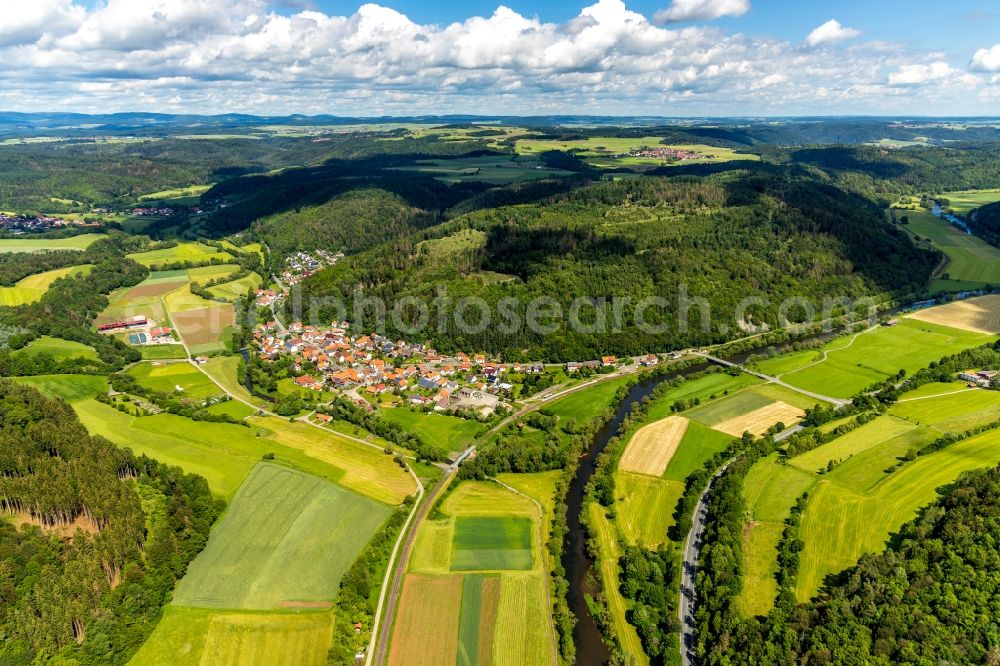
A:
(701, 10)
(915, 75)
(239, 55)
(830, 32)
(27, 21)
(987, 60)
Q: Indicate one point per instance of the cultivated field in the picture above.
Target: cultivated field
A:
(857, 441)
(287, 537)
(58, 348)
(183, 252)
(730, 407)
(759, 420)
(33, 287)
(644, 507)
(850, 365)
(237, 288)
(505, 616)
(491, 543)
(841, 523)
(204, 329)
(978, 315)
(967, 200)
(698, 446)
(651, 448)
(196, 636)
(80, 242)
(426, 629)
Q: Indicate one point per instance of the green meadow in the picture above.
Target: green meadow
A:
(972, 262)
(33, 287)
(276, 543)
(58, 348)
(80, 242)
(449, 433)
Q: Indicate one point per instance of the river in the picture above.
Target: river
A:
(590, 648)
(955, 220)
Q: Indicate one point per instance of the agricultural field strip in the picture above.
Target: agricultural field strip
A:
(651, 448)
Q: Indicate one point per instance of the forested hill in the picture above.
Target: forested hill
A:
(103, 537)
(725, 237)
(931, 598)
(985, 223)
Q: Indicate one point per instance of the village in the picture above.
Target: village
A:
(663, 153)
(21, 223)
(366, 367)
(301, 265)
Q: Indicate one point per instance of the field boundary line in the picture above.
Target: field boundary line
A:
(541, 547)
(939, 395)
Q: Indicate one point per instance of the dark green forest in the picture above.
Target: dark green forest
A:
(108, 535)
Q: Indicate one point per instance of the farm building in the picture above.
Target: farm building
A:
(137, 339)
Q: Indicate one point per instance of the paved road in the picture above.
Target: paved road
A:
(692, 551)
(774, 380)
(387, 610)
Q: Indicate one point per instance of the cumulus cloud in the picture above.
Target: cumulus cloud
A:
(830, 32)
(24, 22)
(987, 60)
(701, 10)
(241, 55)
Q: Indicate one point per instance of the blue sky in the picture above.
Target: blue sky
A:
(403, 57)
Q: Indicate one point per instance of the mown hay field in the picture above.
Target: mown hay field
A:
(760, 420)
(651, 448)
(978, 315)
(426, 629)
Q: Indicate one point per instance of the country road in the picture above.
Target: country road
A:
(774, 380)
(692, 551)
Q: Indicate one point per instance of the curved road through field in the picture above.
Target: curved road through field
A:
(692, 551)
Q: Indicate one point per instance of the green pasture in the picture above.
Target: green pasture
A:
(81, 242)
(841, 523)
(33, 287)
(163, 352)
(967, 200)
(491, 543)
(184, 196)
(189, 252)
(698, 446)
(879, 354)
(196, 636)
(953, 412)
(71, 388)
(448, 433)
(58, 348)
(731, 406)
(277, 544)
(972, 262)
(707, 387)
(493, 169)
(233, 408)
(237, 288)
(587, 403)
(167, 378)
(644, 506)
(857, 441)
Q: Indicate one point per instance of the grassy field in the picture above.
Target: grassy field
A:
(33, 287)
(58, 348)
(237, 288)
(972, 262)
(233, 408)
(493, 169)
(644, 507)
(728, 408)
(80, 242)
(711, 386)
(185, 196)
(602, 151)
(610, 574)
(276, 544)
(842, 522)
(491, 543)
(224, 454)
(223, 370)
(697, 447)
(978, 315)
(448, 433)
(193, 252)
(480, 602)
(70, 388)
(953, 412)
(857, 441)
(168, 377)
(876, 355)
(195, 636)
(523, 633)
(163, 352)
(965, 201)
(587, 403)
